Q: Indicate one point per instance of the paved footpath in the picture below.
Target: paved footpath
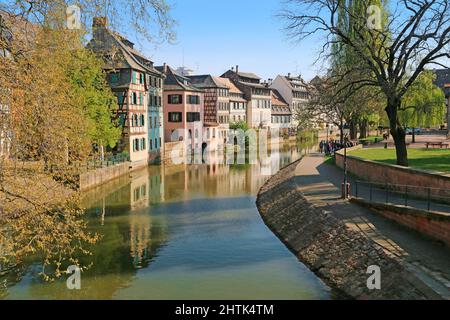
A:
(430, 261)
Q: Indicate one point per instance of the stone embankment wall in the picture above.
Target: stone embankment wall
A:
(376, 172)
(338, 255)
(173, 151)
(98, 177)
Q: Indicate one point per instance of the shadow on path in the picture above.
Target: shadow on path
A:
(320, 183)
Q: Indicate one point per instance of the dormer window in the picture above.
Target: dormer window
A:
(115, 77)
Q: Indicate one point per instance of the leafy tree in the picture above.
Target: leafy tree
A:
(93, 95)
(239, 125)
(55, 104)
(414, 36)
(423, 104)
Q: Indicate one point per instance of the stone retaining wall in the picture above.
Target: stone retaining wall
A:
(335, 253)
(432, 224)
(173, 149)
(377, 172)
(97, 177)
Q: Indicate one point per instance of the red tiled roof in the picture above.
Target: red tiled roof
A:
(277, 99)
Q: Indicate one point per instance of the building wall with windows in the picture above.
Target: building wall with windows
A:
(155, 118)
(134, 80)
(294, 90)
(137, 122)
(257, 94)
(183, 114)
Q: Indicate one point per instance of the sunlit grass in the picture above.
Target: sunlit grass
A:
(426, 159)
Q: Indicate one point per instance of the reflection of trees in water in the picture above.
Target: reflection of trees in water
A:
(131, 236)
(130, 240)
(129, 243)
(10, 278)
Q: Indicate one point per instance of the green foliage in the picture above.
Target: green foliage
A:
(423, 104)
(242, 125)
(94, 97)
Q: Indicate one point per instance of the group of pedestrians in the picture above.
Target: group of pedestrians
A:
(331, 146)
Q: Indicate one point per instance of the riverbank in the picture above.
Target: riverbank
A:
(339, 254)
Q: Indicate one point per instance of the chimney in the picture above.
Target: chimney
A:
(99, 22)
(237, 69)
(289, 75)
(98, 30)
(165, 68)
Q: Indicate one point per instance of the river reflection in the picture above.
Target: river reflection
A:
(183, 232)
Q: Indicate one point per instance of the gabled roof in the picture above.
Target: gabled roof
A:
(174, 81)
(277, 99)
(131, 57)
(249, 75)
(229, 84)
(254, 85)
(295, 83)
(206, 81)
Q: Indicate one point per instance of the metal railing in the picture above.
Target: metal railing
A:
(418, 197)
(93, 164)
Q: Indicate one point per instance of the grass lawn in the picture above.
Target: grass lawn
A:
(372, 139)
(432, 159)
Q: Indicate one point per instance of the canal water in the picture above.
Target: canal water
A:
(182, 232)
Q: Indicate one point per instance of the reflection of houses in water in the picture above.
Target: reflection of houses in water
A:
(147, 234)
(139, 188)
(140, 233)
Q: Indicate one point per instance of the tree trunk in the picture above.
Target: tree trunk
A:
(341, 131)
(363, 124)
(353, 129)
(397, 131)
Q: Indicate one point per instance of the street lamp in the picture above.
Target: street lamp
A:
(345, 185)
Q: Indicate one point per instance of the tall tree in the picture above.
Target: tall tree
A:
(416, 34)
(423, 104)
(54, 105)
(360, 104)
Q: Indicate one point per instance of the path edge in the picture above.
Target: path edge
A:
(337, 255)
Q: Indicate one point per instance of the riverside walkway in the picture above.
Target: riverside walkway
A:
(320, 183)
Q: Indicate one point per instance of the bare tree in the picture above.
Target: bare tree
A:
(416, 34)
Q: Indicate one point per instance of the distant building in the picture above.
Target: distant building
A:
(216, 106)
(294, 91)
(443, 82)
(238, 105)
(137, 85)
(183, 110)
(281, 114)
(257, 94)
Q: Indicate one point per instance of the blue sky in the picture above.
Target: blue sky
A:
(213, 35)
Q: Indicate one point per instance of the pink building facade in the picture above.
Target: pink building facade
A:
(183, 111)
